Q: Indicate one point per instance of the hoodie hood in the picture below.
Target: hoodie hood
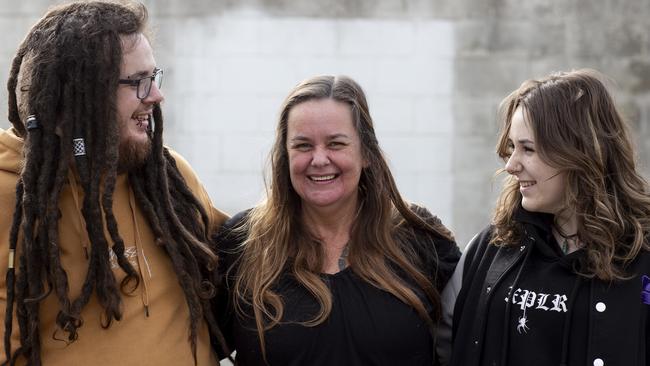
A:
(11, 146)
(541, 225)
(542, 222)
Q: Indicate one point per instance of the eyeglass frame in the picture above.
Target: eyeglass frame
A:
(136, 82)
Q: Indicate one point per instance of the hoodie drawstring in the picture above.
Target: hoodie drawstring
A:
(142, 260)
(80, 225)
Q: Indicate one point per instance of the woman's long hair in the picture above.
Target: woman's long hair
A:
(278, 239)
(68, 68)
(578, 129)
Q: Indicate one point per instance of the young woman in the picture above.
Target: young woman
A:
(561, 276)
(334, 268)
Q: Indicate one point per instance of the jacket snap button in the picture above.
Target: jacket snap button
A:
(600, 307)
(599, 362)
(488, 289)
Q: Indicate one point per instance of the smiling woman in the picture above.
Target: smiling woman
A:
(556, 278)
(325, 160)
(541, 185)
(334, 267)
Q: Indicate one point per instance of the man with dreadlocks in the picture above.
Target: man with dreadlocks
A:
(103, 229)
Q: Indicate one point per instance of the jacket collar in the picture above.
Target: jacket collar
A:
(540, 225)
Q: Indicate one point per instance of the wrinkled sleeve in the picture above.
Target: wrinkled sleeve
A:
(440, 255)
(448, 256)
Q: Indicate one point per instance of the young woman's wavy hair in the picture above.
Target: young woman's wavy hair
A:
(578, 129)
(278, 239)
(67, 69)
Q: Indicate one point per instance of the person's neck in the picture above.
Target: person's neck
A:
(565, 231)
(332, 225)
(566, 225)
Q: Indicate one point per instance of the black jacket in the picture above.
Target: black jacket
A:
(591, 323)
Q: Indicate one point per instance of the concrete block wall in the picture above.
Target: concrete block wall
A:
(501, 43)
(434, 72)
(228, 75)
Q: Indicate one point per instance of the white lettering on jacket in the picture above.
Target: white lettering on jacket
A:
(527, 299)
(531, 300)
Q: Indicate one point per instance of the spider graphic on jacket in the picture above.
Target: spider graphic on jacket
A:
(523, 324)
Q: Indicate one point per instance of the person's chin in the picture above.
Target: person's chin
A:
(133, 154)
(528, 205)
(140, 138)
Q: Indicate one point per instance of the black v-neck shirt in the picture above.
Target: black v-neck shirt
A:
(367, 326)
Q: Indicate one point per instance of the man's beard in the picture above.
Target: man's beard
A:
(133, 155)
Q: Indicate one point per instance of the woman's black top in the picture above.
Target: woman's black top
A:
(367, 325)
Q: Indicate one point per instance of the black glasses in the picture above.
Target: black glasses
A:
(143, 85)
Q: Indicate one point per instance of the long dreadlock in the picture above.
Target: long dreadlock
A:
(73, 55)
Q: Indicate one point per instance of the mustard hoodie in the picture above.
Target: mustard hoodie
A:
(158, 339)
